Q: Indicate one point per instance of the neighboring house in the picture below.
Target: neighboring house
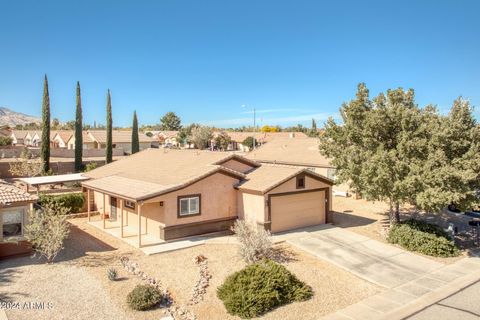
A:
(171, 194)
(120, 139)
(302, 153)
(168, 138)
(88, 142)
(36, 138)
(18, 136)
(15, 204)
(60, 138)
(260, 138)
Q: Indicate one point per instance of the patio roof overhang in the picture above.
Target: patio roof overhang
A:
(62, 178)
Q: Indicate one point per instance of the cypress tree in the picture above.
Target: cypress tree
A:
(78, 132)
(45, 150)
(135, 140)
(108, 149)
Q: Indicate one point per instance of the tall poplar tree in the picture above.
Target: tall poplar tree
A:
(135, 140)
(108, 149)
(78, 132)
(45, 149)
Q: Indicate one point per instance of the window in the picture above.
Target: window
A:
(129, 204)
(12, 223)
(188, 205)
(301, 182)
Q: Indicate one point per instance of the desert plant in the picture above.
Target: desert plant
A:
(47, 230)
(90, 166)
(255, 243)
(422, 237)
(260, 287)
(144, 297)
(112, 274)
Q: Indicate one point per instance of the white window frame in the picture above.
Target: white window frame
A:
(189, 204)
(129, 204)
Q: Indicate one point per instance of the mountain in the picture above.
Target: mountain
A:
(11, 118)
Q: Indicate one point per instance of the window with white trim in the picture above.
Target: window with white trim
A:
(129, 204)
(189, 206)
(12, 222)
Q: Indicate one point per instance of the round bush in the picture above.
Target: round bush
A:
(422, 237)
(259, 288)
(144, 297)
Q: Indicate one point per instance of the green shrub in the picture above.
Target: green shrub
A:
(423, 237)
(72, 201)
(144, 297)
(260, 287)
(90, 166)
(112, 274)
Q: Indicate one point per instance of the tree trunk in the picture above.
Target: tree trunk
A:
(397, 212)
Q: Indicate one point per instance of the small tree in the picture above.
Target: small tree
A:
(313, 131)
(249, 141)
(223, 140)
(201, 136)
(135, 140)
(26, 165)
(170, 121)
(5, 141)
(108, 148)
(47, 230)
(45, 149)
(255, 244)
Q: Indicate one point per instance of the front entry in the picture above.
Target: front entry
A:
(113, 209)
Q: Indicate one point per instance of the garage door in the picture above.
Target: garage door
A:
(290, 211)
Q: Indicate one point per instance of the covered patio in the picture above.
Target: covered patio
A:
(37, 182)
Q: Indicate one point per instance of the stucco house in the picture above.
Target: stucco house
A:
(171, 194)
(260, 138)
(18, 137)
(60, 138)
(15, 204)
(97, 139)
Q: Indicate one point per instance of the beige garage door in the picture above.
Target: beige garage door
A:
(297, 210)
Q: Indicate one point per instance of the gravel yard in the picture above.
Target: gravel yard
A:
(78, 288)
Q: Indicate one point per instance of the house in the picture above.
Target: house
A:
(165, 137)
(18, 136)
(60, 138)
(169, 194)
(97, 139)
(260, 138)
(15, 205)
(301, 153)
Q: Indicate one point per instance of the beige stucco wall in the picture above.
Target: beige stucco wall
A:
(237, 166)
(251, 207)
(218, 200)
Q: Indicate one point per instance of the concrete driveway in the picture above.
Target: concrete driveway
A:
(380, 263)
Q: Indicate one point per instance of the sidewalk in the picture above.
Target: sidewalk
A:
(404, 300)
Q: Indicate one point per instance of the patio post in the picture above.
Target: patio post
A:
(104, 211)
(88, 204)
(121, 213)
(139, 213)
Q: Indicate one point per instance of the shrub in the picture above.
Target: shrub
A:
(90, 166)
(259, 288)
(73, 202)
(255, 244)
(112, 274)
(422, 237)
(144, 297)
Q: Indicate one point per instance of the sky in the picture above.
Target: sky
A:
(290, 60)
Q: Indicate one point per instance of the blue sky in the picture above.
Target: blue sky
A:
(292, 60)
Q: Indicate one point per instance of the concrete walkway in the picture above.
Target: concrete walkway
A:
(380, 263)
(411, 281)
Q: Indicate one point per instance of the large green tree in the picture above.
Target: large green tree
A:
(170, 121)
(135, 140)
(45, 147)
(108, 148)
(78, 132)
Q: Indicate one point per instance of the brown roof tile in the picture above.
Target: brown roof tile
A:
(9, 194)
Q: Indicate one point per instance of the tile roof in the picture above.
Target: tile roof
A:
(65, 135)
(118, 136)
(19, 134)
(159, 170)
(9, 194)
(263, 137)
(302, 152)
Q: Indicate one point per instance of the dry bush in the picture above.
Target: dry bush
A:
(255, 243)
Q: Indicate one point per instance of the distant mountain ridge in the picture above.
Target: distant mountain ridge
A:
(11, 118)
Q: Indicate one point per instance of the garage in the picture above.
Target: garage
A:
(297, 209)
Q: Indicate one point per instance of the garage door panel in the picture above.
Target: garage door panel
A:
(297, 210)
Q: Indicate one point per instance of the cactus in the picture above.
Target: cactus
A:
(112, 274)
